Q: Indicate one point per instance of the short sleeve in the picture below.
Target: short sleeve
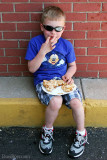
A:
(71, 54)
(31, 51)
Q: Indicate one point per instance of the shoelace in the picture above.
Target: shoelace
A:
(80, 140)
(48, 134)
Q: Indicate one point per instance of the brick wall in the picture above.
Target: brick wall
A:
(86, 28)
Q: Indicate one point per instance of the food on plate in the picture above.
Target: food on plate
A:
(50, 85)
(67, 87)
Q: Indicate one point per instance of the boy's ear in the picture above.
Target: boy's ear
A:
(41, 27)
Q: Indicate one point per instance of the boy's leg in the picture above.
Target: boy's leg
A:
(51, 114)
(77, 148)
(78, 113)
(52, 111)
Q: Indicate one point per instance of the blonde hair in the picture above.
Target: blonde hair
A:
(52, 13)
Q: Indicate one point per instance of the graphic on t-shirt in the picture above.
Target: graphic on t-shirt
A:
(53, 59)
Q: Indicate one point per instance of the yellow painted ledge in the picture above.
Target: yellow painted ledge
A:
(95, 113)
(29, 112)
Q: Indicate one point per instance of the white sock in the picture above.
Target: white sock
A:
(48, 128)
(81, 132)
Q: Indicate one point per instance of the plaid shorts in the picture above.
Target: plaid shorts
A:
(45, 97)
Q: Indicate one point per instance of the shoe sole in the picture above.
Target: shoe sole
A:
(77, 155)
(44, 152)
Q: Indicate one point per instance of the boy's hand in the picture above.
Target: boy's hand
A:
(67, 79)
(49, 45)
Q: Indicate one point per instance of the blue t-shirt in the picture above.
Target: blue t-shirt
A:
(55, 62)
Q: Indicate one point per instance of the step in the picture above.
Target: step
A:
(19, 105)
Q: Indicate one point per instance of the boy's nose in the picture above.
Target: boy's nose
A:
(53, 31)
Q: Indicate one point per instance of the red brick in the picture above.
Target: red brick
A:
(80, 51)
(23, 44)
(16, 35)
(28, 26)
(104, 26)
(98, 0)
(87, 43)
(7, 27)
(1, 52)
(86, 26)
(15, 52)
(104, 7)
(36, 17)
(43, 0)
(6, 8)
(14, 0)
(97, 34)
(73, 0)
(102, 74)
(97, 51)
(17, 68)
(97, 67)
(86, 74)
(3, 68)
(81, 67)
(103, 59)
(104, 43)
(68, 26)
(33, 34)
(9, 60)
(97, 16)
(66, 7)
(76, 17)
(23, 61)
(27, 74)
(8, 44)
(12, 17)
(87, 59)
(28, 7)
(84, 7)
(74, 34)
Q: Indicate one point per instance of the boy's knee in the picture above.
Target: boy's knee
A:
(56, 103)
(75, 103)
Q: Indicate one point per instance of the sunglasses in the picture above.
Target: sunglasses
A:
(50, 28)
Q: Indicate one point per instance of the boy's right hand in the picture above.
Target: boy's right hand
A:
(49, 45)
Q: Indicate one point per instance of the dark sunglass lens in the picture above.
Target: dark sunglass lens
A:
(48, 28)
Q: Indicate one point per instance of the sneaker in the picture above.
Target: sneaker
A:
(45, 144)
(77, 148)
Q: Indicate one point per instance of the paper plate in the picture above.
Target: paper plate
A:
(58, 90)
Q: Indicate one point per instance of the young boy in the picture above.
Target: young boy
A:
(52, 57)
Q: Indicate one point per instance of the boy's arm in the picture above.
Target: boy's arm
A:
(70, 72)
(34, 64)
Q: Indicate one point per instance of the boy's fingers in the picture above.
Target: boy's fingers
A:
(63, 77)
(47, 40)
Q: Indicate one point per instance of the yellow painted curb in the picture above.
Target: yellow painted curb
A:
(96, 113)
(29, 112)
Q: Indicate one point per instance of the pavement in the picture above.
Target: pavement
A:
(21, 143)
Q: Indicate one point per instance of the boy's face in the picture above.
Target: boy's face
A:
(54, 23)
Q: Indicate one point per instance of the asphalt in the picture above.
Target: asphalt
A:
(19, 143)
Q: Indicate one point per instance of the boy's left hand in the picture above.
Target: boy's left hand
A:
(67, 79)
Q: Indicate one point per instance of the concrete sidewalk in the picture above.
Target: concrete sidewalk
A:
(19, 105)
